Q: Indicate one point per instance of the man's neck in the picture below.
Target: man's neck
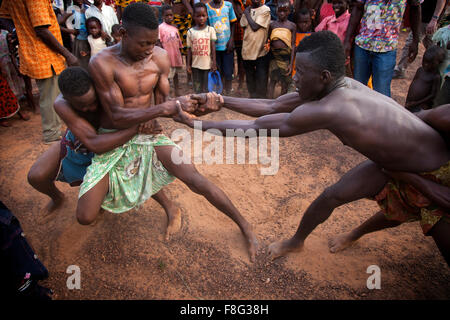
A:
(217, 4)
(339, 83)
(99, 6)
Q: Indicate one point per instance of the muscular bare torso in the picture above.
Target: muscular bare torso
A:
(137, 81)
(381, 129)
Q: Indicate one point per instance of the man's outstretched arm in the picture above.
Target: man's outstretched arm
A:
(303, 119)
(257, 107)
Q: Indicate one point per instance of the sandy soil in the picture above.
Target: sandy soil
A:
(125, 256)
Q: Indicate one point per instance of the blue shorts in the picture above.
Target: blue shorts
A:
(73, 162)
(225, 64)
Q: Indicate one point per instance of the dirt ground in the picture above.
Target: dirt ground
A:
(125, 256)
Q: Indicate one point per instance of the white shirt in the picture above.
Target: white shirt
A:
(107, 16)
(96, 45)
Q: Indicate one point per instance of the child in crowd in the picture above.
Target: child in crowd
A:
(97, 39)
(171, 42)
(115, 33)
(201, 55)
(221, 16)
(338, 22)
(282, 48)
(303, 21)
(427, 81)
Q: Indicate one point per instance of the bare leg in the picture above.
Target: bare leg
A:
(42, 176)
(89, 205)
(441, 236)
(199, 184)
(365, 180)
(176, 85)
(172, 211)
(375, 223)
(29, 93)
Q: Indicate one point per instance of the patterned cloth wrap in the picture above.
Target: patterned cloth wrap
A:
(183, 23)
(278, 68)
(403, 203)
(135, 173)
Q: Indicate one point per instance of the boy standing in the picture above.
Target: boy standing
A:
(171, 42)
(256, 21)
(221, 16)
(201, 49)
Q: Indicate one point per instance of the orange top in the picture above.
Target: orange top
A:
(299, 37)
(36, 58)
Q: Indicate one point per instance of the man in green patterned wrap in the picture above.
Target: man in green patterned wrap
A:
(125, 77)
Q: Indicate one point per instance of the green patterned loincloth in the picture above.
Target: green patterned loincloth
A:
(135, 173)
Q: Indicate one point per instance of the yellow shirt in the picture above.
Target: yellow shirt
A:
(36, 58)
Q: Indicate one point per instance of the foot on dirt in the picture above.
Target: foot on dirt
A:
(252, 243)
(5, 123)
(173, 223)
(281, 248)
(24, 115)
(340, 242)
(55, 204)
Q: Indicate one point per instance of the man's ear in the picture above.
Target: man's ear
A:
(326, 76)
(122, 31)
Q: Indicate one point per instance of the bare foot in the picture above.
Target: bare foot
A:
(252, 243)
(173, 223)
(340, 242)
(24, 115)
(280, 248)
(55, 204)
(5, 123)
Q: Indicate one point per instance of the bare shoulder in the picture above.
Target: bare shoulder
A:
(64, 110)
(104, 59)
(160, 56)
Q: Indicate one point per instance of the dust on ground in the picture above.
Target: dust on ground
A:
(125, 256)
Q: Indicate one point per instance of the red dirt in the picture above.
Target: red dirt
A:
(125, 257)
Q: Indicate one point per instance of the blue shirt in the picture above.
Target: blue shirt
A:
(80, 24)
(221, 20)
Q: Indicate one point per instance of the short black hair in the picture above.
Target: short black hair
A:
(283, 3)
(74, 82)
(139, 14)
(434, 52)
(200, 5)
(303, 12)
(115, 28)
(93, 19)
(164, 8)
(327, 51)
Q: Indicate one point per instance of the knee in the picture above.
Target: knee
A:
(84, 218)
(332, 197)
(35, 177)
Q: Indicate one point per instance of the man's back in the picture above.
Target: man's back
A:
(381, 129)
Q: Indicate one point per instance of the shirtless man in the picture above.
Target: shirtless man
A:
(125, 76)
(67, 161)
(393, 138)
